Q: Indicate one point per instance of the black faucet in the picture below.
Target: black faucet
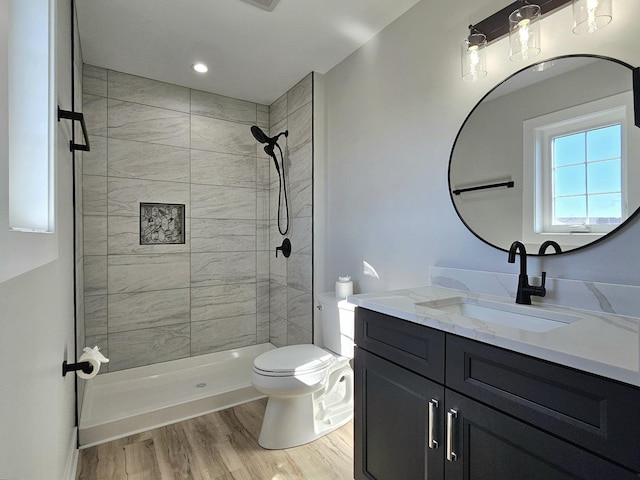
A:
(547, 244)
(525, 290)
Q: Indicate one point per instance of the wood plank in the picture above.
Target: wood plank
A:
(219, 446)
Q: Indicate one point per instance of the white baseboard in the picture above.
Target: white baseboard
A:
(71, 466)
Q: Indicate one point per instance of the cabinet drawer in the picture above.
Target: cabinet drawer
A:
(593, 412)
(418, 348)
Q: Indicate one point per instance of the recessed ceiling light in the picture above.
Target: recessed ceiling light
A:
(200, 67)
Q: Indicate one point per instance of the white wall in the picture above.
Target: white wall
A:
(393, 110)
(36, 314)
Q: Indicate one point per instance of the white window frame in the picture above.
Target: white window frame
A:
(537, 182)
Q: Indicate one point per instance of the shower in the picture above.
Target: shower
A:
(272, 142)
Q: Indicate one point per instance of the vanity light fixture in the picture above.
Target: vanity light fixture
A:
(474, 62)
(591, 15)
(524, 32)
(200, 67)
(521, 21)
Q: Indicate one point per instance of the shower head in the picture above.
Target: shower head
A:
(259, 135)
(262, 137)
(269, 151)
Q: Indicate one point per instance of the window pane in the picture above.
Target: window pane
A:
(569, 149)
(570, 210)
(604, 143)
(605, 209)
(570, 180)
(604, 177)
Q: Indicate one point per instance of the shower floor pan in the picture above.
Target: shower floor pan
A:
(130, 401)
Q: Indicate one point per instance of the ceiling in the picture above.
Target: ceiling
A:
(252, 54)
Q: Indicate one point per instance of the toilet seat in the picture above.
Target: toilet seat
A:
(292, 360)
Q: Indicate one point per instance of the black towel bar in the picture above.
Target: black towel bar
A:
(76, 116)
(483, 187)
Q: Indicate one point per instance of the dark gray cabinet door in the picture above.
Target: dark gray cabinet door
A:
(490, 445)
(392, 422)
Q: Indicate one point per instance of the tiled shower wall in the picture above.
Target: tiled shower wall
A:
(156, 142)
(291, 304)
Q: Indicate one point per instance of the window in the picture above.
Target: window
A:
(27, 92)
(31, 206)
(576, 161)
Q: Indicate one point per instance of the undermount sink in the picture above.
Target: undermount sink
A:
(524, 317)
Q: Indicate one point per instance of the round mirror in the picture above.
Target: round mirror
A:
(550, 156)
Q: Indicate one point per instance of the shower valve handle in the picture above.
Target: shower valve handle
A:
(285, 248)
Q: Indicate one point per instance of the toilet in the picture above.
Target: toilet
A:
(310, 389)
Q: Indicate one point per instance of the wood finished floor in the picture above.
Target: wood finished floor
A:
(219, 446)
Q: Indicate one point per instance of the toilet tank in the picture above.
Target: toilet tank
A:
(338, 322)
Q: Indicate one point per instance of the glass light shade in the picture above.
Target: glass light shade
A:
(590, 15)
(524, 33)
(474, 62)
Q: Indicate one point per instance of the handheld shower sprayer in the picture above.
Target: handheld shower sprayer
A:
(271, 143)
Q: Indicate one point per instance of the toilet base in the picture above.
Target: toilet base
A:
(290, 421)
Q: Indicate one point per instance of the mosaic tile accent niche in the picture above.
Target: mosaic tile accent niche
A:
(161, 223)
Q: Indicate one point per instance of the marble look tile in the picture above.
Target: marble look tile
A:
(223, 202)
(222, 301)
(214, 168)
(95, 235)
(95, 274)
(278, 111)
(148, 161)
(278, 299)
(300, 308)
(94, 109)
(223, 108)
(223, 334)
(263, 117)
(142, 90)
(300, 165)
(297, 335)
(277, 331)
(95, 315)
(94, 80)
(301, 199)
(300, 94)
(222, 268)
(140, 273)
(213, 235)
(125, 195)
(95, 161)
(262, 266)
(132, 121)
(135, 311)
(94, 195)
(299, 272)
(221, 136)
(262, 301)
(263, 167)
(301, 235)
(278, 269)
(300, 126)
(262, 330)
(102, 342)
(262, 235)
(124, 238)
(151, 345)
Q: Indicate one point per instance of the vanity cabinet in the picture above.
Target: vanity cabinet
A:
(431, 405)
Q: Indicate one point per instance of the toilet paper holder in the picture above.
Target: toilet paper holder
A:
(86, 367)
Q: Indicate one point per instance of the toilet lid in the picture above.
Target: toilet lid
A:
(294, 359)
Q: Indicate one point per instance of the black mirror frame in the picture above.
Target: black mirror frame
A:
(635, 71)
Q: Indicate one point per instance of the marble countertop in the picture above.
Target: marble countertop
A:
(596, 342)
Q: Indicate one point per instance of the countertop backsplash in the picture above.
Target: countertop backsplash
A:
(595, 296)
